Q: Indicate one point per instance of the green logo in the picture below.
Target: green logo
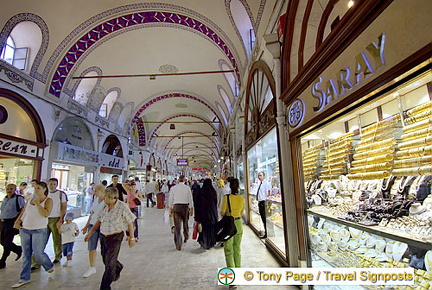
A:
(226, 276)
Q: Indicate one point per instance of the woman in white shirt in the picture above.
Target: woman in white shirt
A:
(32, 223)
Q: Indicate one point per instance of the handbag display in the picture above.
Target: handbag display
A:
(225, 228)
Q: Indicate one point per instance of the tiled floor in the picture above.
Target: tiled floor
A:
(153, 263)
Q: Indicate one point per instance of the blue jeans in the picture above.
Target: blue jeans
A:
(33, 242)
(68, 250)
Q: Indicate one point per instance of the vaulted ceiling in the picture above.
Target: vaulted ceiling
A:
(174, 95)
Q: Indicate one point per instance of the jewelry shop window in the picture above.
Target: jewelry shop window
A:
(367, 179)
(263, 159)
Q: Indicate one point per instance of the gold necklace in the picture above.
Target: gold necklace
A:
(428, 260)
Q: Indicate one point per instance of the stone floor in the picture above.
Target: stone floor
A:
(153, 263)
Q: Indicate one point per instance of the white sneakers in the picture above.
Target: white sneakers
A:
(90, 271)
(20, 283)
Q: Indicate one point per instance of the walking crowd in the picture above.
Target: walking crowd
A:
(113, 212)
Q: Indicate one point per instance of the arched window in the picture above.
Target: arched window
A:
(108, 104)
(225, 98)
(244, 25)
(222, 112)
(8, 51)
(230, 78)
(112, 146)
(125, 115)
(23, 43)
(85, 87)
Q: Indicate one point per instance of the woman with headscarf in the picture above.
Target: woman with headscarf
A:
(206, 214)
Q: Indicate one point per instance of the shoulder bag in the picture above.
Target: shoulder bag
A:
(225, 228)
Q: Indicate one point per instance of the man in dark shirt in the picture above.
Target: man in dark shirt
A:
(119, 186)
(10, 209)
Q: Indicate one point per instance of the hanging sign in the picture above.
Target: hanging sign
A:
(18, 148)
(110, 161)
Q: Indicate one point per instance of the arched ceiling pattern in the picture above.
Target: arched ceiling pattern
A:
(156, 38)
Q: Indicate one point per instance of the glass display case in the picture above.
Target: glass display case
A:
(14, 170)
(367, 179)
(263, 157)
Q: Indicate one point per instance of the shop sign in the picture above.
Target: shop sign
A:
(18, 148)
(75, 154)
(111, 161)
(326, 91)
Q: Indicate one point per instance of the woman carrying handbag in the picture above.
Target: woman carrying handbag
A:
(232, 247)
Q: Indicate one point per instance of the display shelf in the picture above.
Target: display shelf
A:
(383, 231)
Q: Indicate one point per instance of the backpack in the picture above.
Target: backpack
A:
(17, 207)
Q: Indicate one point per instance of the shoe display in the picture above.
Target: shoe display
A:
(90, 271)
(20, 283)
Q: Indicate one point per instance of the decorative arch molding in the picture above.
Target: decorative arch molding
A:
(173, 95)
(12, 22)
(152, 160)
(141, 132)
(188, 132)
(178, 116)
(229, 77)
(259, 118)
(352, 24)
(115, 112)
(30, 110)
(213, 150)
(93, 36)
(255, 23)
(95, 69)
(223, 114)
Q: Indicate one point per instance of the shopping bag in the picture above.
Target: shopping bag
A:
(195, 230)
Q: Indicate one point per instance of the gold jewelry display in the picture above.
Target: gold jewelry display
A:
(399, 250)
(417, 126)
(428, 261)
(389, 249)
(373, 160)
(417, 152)
(342, 137)
(370, 175)
(412, 162)
(374, 153)
(381, 144)
(339, 159)
(373, 167)
(419, 109)
(418, 117)
(415, 143)
(417, 134)
(414, 171)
